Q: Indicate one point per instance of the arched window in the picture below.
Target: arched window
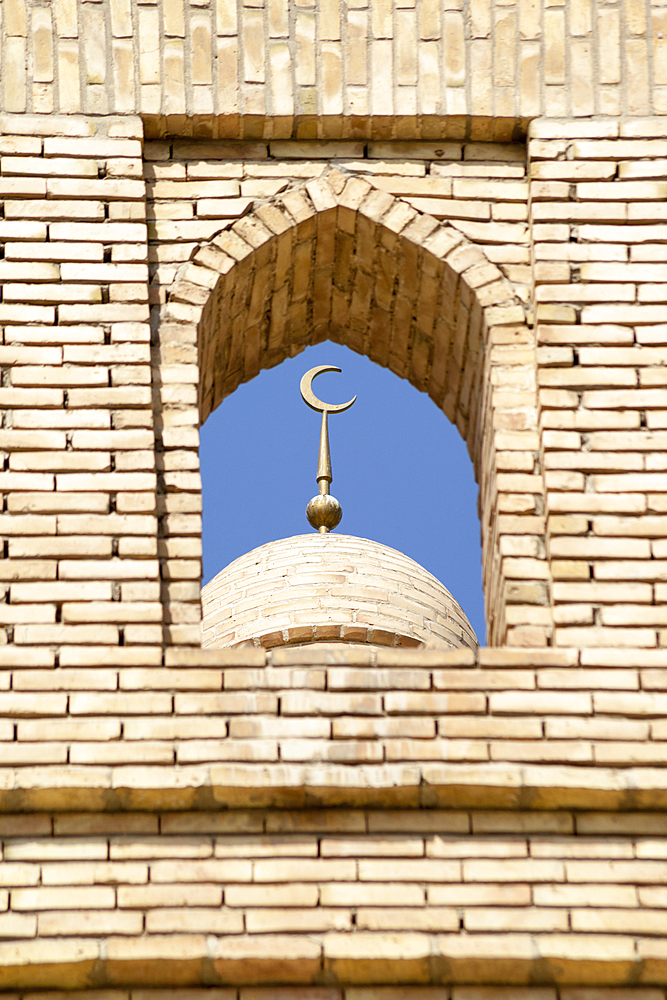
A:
(337, 259)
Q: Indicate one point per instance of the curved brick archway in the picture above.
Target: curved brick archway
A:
(338, 259)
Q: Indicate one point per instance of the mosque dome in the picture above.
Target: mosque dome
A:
(330, 588)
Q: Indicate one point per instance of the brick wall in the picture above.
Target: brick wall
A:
(79, 476)
(296, 896)
(332, 725)
(360, 815)
(335, 70)
(358, 172)
(598, 211)
(414, 253)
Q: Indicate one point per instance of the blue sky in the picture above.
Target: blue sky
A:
(401, 470)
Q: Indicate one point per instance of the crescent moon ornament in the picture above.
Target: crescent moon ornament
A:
(324, 511)
(311, 399)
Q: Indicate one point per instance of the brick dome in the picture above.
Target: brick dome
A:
(330, 588)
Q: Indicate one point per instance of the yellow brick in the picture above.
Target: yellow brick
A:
(142, 897)
(89, 922)
(293, 894)
(585, 895)
(304, 921)
(514, 870)
(72, 897)
(194, 920)
(407, 918)
(303, 869)
(369, 894)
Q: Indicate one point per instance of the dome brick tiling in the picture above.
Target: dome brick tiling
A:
(324, 588)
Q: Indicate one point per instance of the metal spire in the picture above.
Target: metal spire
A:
(323, 511)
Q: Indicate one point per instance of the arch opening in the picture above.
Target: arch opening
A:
(338, 259)
(345, 276)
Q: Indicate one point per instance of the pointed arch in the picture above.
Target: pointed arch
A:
(336, 258)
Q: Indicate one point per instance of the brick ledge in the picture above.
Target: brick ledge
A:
(409, 786)
(334, 958)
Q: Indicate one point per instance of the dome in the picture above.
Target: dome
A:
(330, 588)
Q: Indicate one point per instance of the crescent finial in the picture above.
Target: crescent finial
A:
(311, 399)
(324, 511)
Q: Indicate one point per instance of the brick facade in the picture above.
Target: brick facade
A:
(473, 195)
(333, 69)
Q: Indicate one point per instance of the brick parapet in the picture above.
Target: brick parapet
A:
(337, 726)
